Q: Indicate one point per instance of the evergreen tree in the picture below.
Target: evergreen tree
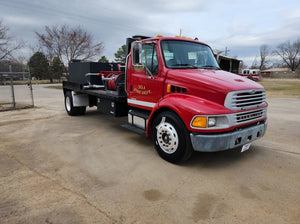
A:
(120, 55)
(56, 68)
(103, 59)
(39, 66)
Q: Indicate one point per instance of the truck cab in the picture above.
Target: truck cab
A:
(190, 100)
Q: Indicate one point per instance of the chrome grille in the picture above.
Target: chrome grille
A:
(245, 99)
(249, 116)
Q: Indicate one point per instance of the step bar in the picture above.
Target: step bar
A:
(137, 121)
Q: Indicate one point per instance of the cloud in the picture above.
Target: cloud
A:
(23, 20)
(241, 26)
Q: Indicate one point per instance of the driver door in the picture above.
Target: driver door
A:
(146, 84)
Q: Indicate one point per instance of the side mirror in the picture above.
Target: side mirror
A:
(137, 56)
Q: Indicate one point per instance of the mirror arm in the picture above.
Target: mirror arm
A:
(148, 73)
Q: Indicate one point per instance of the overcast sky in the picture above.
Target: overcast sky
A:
(241, 26)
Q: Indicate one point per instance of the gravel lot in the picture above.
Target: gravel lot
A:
(60, 169)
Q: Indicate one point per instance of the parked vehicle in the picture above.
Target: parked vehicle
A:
(173, 90)
(253, 74)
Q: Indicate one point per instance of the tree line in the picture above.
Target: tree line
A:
(288, 52)
(58, 45)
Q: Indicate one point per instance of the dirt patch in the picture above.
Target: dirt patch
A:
(203, 206)
(152, 195)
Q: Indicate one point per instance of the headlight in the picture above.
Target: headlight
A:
(212, 121)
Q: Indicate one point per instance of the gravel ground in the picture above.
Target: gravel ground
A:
(60, 169)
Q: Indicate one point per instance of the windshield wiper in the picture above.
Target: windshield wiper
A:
(193, 66)
(210, 66)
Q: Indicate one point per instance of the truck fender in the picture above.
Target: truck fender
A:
(186, 107)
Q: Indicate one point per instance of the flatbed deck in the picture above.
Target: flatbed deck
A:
(99, 93)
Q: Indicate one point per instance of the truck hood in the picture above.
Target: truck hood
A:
(209, 84)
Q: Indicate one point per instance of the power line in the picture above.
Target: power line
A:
(74, 15)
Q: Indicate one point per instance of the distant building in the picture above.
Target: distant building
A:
(269, 73)
(281, 73)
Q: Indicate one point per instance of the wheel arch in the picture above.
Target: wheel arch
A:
(174, 103)
(185, 107)
(154, 114)
(69, 105)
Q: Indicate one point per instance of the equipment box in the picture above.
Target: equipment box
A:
(77, 71)
(114, 108)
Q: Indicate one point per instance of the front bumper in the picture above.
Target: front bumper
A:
(221, 142)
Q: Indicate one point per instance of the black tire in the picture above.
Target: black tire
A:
(71, 110)
(171, 138)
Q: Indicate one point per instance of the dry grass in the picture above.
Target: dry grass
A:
(282, 88)
(54, 87)
(24, 82)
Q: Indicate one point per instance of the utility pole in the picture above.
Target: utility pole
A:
(226, 51)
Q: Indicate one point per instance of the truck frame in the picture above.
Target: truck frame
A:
(172, 89)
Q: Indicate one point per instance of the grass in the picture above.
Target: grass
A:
(282, 88)
(54, 87)
(24, 82)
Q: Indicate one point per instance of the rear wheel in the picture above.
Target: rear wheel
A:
(171, 138)
(71, 110)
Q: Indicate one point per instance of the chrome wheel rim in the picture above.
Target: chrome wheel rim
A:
(167, 136)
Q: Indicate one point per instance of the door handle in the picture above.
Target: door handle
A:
(150, 76)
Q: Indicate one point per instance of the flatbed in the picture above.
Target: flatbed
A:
(97, 92)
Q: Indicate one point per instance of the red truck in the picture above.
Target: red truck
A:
(173, 90)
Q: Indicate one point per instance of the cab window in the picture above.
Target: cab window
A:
(149, 58)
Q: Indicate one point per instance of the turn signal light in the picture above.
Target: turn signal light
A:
(200, 122)
(168, 88)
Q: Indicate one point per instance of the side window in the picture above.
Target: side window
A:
(149, 58)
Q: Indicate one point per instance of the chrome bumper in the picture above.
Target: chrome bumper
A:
(221, 142)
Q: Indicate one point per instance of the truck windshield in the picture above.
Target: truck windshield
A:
(184, 54)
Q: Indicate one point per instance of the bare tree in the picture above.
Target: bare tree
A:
(264, 54)
(254, 63)
(242, 65)
(290, 53)
(68, 43)
(7, 43)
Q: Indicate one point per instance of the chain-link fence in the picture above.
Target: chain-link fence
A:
(15, 90)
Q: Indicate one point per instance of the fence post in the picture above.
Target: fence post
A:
(30, 86)
(12, 88)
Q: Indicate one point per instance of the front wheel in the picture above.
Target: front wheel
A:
(171, 138)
